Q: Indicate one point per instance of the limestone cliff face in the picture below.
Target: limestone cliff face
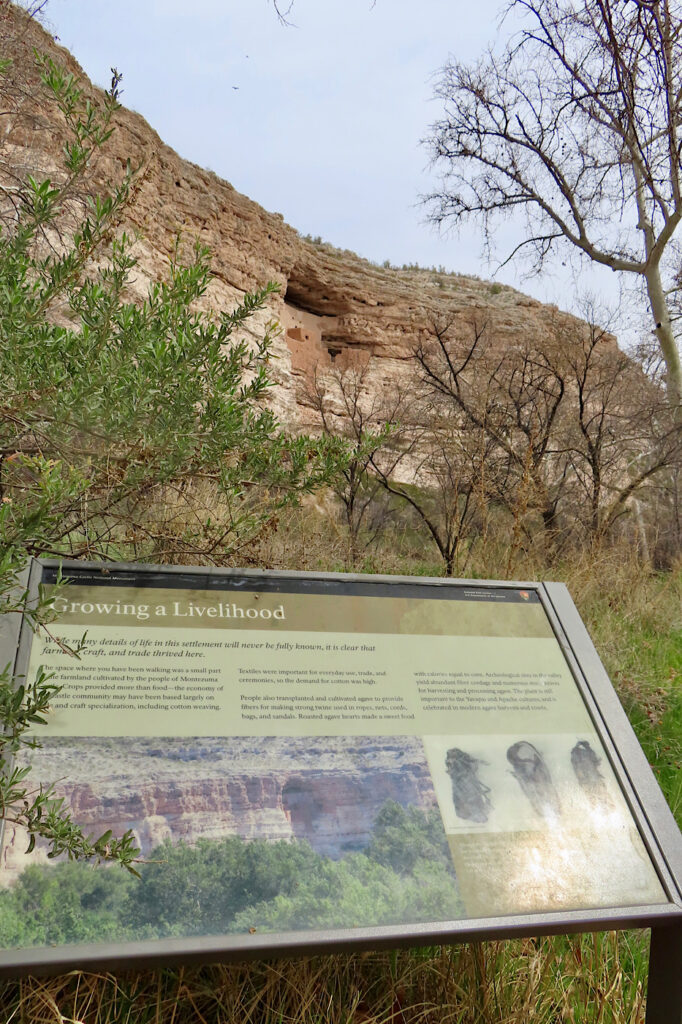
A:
(335, 308)
(325, 790)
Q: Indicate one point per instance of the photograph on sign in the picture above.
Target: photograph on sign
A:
(537, 823)
(293, 757)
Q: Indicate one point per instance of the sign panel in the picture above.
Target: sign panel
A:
(301, 754)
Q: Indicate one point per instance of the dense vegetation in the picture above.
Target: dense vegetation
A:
(230, 885)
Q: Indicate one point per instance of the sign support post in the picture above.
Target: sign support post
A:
(664, 991)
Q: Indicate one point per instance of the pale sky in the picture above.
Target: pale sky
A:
(320, 121)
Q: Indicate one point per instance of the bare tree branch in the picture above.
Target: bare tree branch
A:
(577, 123)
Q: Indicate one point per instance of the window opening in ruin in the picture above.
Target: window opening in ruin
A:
(333, 352)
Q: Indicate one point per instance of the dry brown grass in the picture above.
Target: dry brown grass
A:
(591, 979)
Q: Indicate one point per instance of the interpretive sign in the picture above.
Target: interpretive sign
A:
(327, 761)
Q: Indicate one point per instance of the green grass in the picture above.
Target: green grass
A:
(636, 624)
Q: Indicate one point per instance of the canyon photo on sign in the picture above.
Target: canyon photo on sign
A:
(305, 755)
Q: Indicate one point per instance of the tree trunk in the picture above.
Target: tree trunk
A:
(666, 339)
(595, 501)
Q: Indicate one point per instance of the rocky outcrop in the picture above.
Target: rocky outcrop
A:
(335, 309)
(325, 790)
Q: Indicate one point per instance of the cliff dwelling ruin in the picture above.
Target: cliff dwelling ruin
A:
(317, 341)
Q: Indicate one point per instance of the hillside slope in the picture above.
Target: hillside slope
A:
(335, 308)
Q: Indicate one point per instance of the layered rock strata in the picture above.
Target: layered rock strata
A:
(325, 790)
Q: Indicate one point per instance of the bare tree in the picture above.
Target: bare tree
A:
(575, 429)
(350, 408)
(578, 123)
(403, 445)
(513, 397)
(442, 490)
(617, 432)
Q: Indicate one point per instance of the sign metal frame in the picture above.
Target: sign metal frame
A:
(649, 809)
